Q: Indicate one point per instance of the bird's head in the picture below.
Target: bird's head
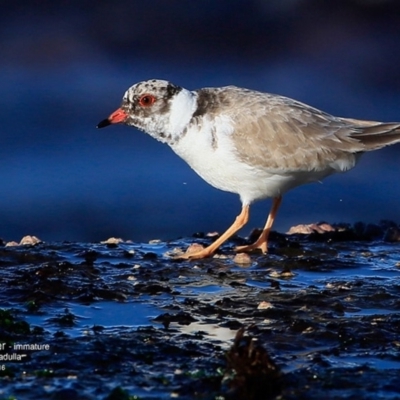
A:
(157, 107)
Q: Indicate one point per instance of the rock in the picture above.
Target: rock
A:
(264, 305)
(112, 240)
(194, 248)
(29, 240)
(392, 235)
(11, 244)
(242, 259)
(306, 229)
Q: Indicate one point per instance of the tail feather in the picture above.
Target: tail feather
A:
(378, 135)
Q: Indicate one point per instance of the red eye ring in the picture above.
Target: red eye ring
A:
(147, 100)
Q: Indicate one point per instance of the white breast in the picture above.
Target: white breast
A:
(208, 149)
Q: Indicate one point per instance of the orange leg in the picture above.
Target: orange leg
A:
(262, 242)
(239, 222)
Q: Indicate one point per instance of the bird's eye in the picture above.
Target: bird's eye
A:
(147, 100)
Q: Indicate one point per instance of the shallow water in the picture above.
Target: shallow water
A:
(106, 314)
(325, 308)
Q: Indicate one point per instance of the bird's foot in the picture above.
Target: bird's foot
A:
(195, 252)
(258, 245)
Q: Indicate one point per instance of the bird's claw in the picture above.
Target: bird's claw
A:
(252, 247)
(195, 252)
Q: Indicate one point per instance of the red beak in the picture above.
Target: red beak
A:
(116, 117)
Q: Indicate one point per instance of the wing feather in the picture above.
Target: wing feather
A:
(279, 133)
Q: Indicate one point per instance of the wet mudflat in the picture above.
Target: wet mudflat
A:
(318, 317)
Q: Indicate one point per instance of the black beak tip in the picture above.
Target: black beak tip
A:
(103, 124)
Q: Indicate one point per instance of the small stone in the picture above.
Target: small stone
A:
(194, 248)
(324, 227)
(174, 252)
(281, 274)
(264, 305)
(300, 229)
(220, 256)
(178, 371)
(306, 229)
(149, 256)
(11, 244)
(287, 274)
(242, 259)
(29, 240)
(274, 274)
(112, 240)
(212, 234)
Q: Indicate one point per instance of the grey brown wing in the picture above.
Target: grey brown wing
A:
(280, 133)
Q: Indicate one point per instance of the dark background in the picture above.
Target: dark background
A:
(64, 66)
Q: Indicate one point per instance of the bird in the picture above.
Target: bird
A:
(255, 144)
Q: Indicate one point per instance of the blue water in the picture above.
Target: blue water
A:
(63, 68)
